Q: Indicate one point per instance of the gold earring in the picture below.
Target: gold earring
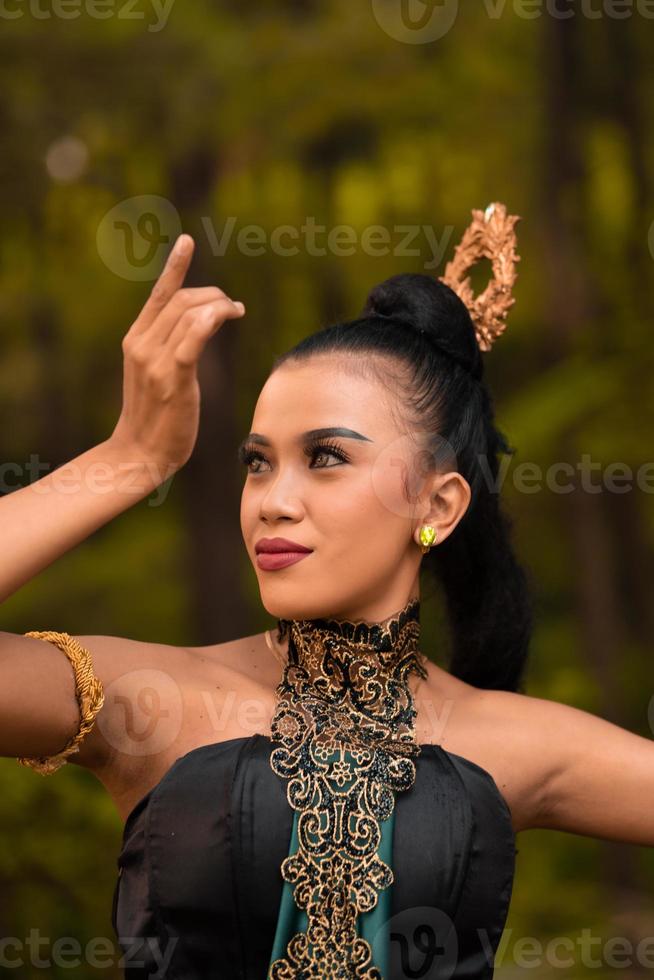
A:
(427, 537)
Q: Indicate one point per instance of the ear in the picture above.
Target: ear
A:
(449, 496)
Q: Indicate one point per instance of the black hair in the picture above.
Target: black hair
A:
(417, 322)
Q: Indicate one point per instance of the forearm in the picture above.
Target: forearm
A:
(45, 519)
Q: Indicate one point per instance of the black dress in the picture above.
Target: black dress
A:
(335, 847)
(199, 890)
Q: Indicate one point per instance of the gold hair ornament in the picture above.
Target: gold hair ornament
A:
(490, 235)
(88, 691)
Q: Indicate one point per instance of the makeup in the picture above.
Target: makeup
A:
(271, 561)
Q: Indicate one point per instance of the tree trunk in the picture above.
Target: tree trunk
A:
(209, 478)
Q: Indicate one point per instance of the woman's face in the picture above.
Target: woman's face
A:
(347, 502)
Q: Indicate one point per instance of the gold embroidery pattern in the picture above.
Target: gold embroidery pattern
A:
(344, 690)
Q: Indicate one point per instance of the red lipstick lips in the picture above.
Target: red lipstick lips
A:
(274, 553)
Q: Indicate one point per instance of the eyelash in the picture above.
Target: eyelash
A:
(248, 454)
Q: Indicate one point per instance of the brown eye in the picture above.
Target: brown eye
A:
(325, 449)
(249, 455)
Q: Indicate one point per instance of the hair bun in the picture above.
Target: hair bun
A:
(428, 306)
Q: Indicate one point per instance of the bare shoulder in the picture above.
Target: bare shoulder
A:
(507, 734)
(247, 657)
(517, 737)
(171, 692)
(161, 701)
(583, 774)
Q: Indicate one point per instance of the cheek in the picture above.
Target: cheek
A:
(358, 507)
(393, 486)
(247, 512)
(364, 536)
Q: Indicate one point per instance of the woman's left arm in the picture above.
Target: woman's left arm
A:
(600, 776)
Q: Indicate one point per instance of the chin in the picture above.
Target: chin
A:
(289, 607)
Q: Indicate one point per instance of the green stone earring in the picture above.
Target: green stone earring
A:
(427, 537)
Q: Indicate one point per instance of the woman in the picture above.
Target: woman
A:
(357, 815)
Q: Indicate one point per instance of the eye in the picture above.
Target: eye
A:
(250, 455)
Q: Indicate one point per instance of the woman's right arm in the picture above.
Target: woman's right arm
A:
(153, 438)
(45, 519)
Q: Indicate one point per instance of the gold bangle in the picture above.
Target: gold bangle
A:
(88, 691)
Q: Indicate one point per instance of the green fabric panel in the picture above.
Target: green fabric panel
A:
(291, 919)
(371, 926)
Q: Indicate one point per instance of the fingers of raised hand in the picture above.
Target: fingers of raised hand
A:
(182, 301)
(170, 280)
(184, 304)
(193, 330)
(184, 343)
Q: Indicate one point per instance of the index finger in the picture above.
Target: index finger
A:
(169, 281)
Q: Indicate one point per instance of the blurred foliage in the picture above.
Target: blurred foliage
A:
(269, 114)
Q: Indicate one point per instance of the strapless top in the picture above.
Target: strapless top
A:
(199, 893)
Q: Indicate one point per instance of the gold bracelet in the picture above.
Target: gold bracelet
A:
(88, 691)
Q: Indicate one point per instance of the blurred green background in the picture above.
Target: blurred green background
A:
(213, 117)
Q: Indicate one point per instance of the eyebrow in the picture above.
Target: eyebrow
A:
(324, 433)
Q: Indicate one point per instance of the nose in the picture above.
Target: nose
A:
(281, 501)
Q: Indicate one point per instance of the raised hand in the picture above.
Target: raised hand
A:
(161, 394)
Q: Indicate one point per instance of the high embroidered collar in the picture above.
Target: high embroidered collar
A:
(381, 637)
(333, 653)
